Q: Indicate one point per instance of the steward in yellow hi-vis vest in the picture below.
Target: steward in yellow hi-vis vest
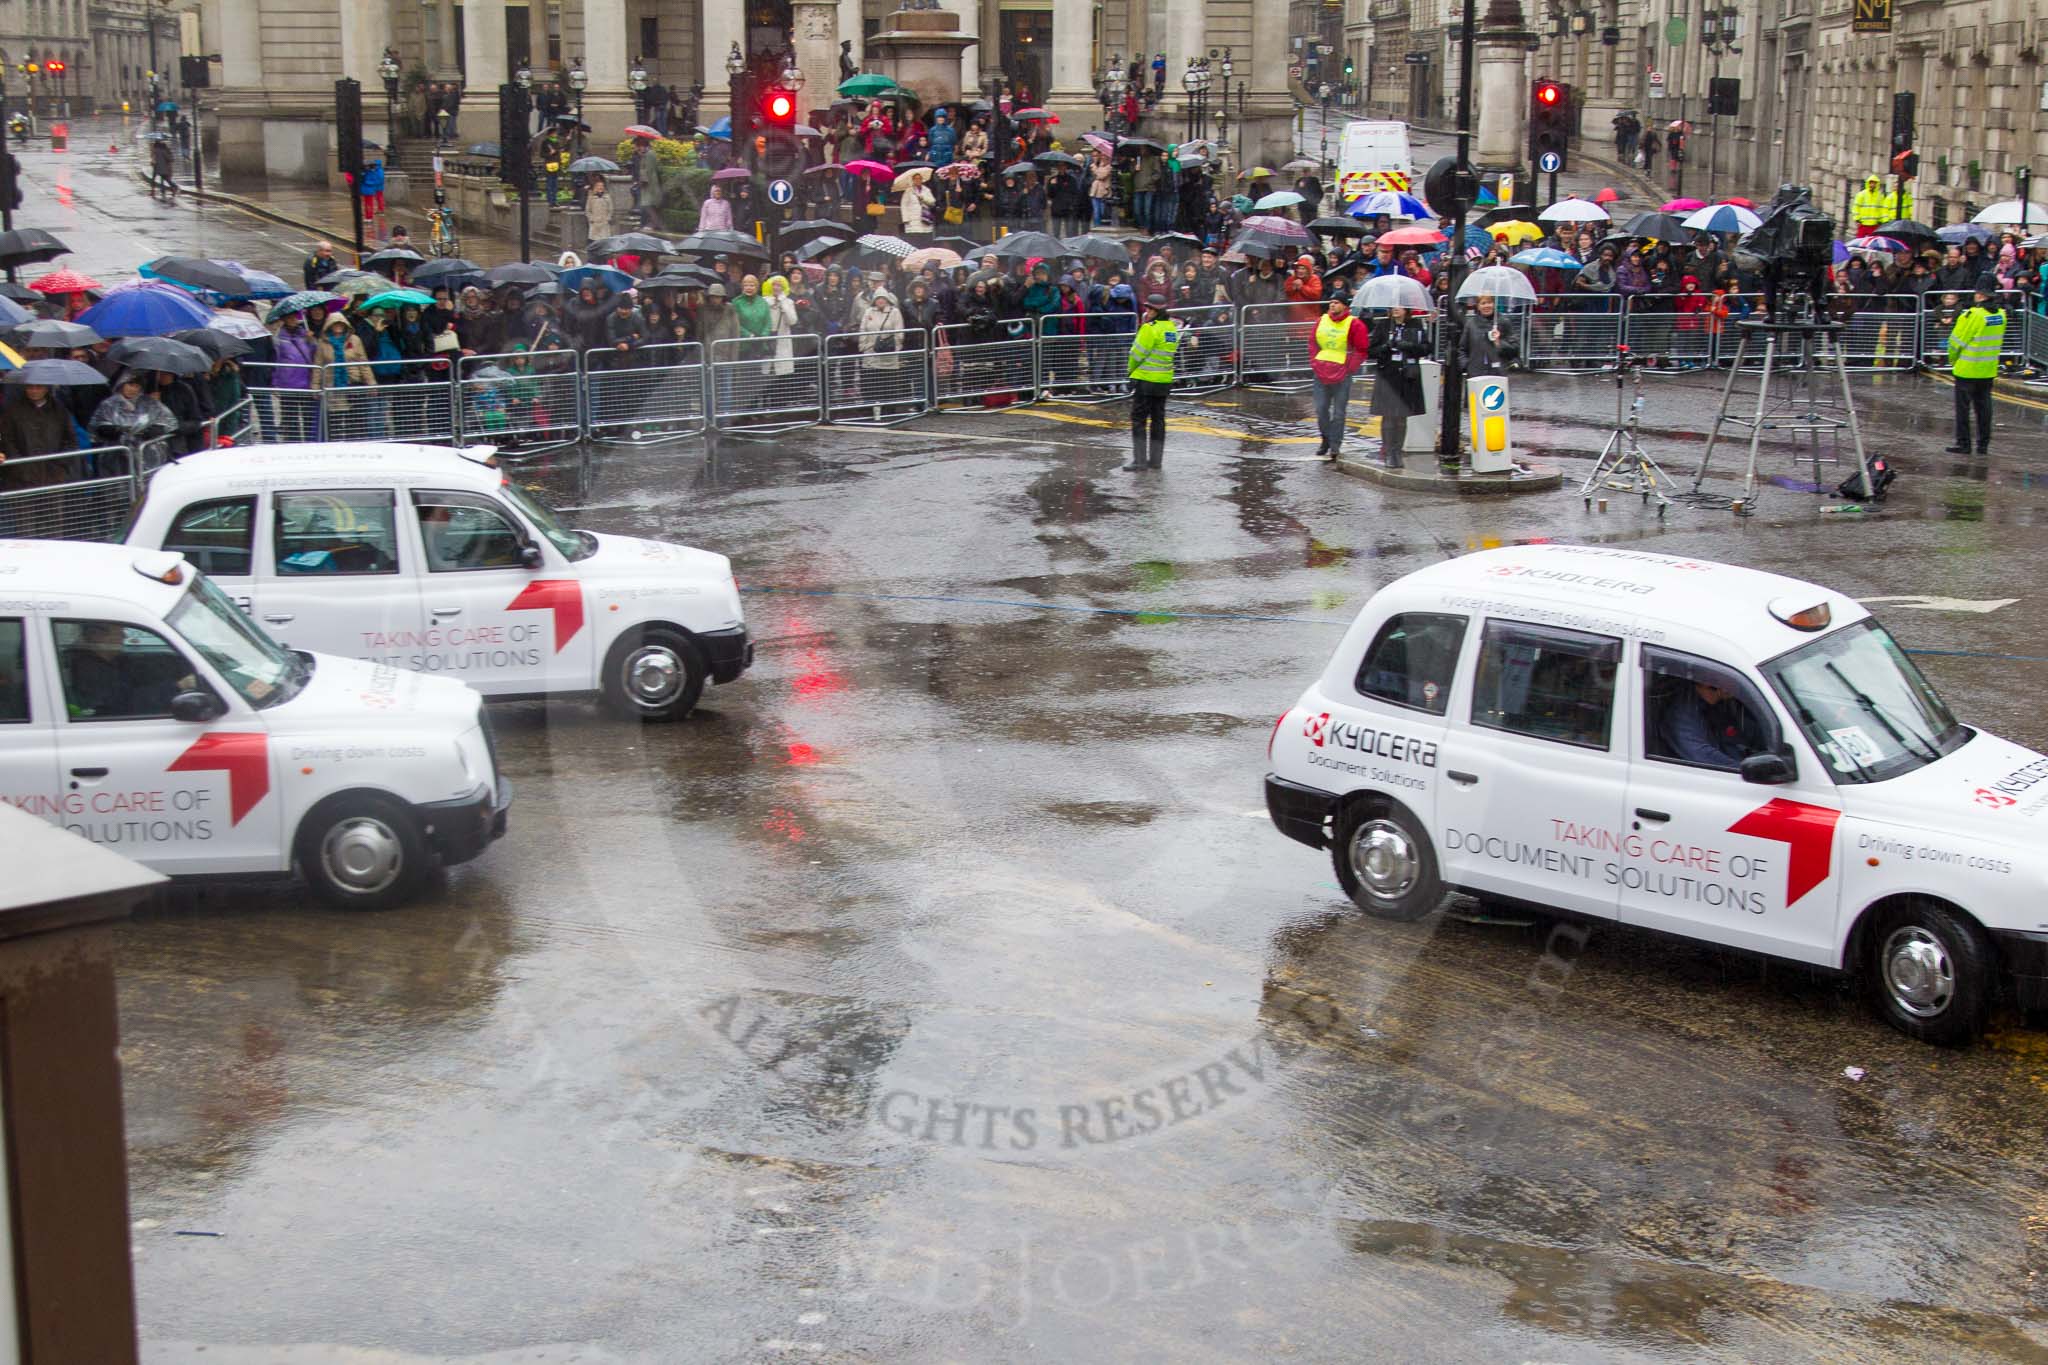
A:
(1153, 351)
(1973, 347)
(1340, 347)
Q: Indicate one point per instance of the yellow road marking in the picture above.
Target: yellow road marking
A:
(2034, 403)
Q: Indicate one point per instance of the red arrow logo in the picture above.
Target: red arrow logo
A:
(243, 755)
(562, 596)
(1807, 831)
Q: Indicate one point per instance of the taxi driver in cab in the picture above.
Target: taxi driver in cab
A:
(1696, 726)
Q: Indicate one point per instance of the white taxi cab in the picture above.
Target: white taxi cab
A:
(426, 558)
(141, 710)
(1683, 746)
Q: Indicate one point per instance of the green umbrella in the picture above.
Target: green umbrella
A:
(396, 298)
(867, 85)
(358, 286)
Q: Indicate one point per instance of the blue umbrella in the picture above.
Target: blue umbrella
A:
(721, 129)
(614, 280)
(149, 311)
(1841, 254)
(12, 313)
(258, 284)
(166, 107)
(1545, 258)
(1392, 203)
(1955, 234)
(1478, 237)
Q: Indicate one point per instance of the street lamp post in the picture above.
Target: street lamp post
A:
(1323, 93)
(578, 80)
(388, 69)
(1718, 33)
(736, 87)
(522, 81)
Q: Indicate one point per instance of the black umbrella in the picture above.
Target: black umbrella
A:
(334, 277)
(570, 124)
(20, 293)
(1663, 226)
(57, 374)
(517, 272)
(1910, 232)
(1139, 144)
(820, 248)
(29, 246)
(1020, 245)
(1173, 239)
(160, 353)
(629, 243)
(1021, 168)
(211, 340)
(445, 268)
(48, 334)
(794, 235)
(1508, 213)
(1095, 247)
(1057, 159)
(194, 273)
(1340, 227)
(392, 254)
(721, 243)
(1257, 243)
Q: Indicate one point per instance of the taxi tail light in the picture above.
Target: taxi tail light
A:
(1276, 731)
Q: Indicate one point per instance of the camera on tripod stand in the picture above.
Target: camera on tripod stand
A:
(1797, 244)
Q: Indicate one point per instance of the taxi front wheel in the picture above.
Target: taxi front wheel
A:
(1929, 971)
(363, 851)
(654, 673)
(1385, 863)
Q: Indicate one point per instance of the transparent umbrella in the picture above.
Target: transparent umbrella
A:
(1501, 281)
(1394, 291)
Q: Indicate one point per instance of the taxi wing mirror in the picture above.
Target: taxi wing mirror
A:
(530, 556)
(1769, 770)
(197, 708)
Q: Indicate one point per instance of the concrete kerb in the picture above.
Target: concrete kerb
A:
(268, 214)
(1423, 475)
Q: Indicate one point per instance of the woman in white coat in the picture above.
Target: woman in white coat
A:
(916, 205)
(782, 320)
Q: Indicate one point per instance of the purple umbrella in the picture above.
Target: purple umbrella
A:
(733, 173)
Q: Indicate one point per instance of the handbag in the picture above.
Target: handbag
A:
(942, 358)
(954, 215)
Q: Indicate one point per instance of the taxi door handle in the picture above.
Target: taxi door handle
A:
(441, 613)
(279, 618)
(1462, 779)
(88, 772)
(1654, 816)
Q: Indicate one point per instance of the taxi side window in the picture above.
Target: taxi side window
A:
(1546, 683)
(116, 671)
(13, 671)
(218, 536)
(1701, 713)
(350, 532)
(463, 531)
(1412, 660)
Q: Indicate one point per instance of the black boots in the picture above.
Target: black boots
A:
(1138, 455)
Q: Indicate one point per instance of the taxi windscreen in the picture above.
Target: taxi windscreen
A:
(1863, 706)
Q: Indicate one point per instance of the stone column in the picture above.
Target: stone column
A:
(537, 37)
(446, 68)
(608, 104)
(814, 32)
(724, 24)
(1267, 131)
(241, 105)
(483, 68)
(1072, 95)
(1186, 30)
(970, 58)
(1500, 89)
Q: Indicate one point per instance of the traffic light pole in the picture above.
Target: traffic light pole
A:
(1450, 405)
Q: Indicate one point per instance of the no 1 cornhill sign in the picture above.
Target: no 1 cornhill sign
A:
(1872, 16)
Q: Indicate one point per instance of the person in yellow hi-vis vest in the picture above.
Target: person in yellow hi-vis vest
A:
(1339, 348)
(1973, 347)
(1152, 356)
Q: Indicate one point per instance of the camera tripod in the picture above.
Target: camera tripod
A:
(1801, 351)
(1624, 466)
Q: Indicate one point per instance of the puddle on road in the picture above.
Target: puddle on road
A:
(1104, 812)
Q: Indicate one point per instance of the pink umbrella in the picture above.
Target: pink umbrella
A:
(1097, 141)
(1412, 236)
(641, 130)
(732, 173)
(874, 168)
(1684, 205)
(1279, 227)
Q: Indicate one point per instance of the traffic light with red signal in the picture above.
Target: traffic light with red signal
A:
(55, 66)
(1550, 122)
(781, 156)
(778, 108)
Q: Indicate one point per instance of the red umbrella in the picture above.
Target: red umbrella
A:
(1607, 196)
(1412, 236)
(874, 168)
(1034, 116)
(641, 130)
(1738, 201)
(64, 282)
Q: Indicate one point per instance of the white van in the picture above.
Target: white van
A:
(1680, 745)
(141, 710)
(1374, 157)
(426, 558)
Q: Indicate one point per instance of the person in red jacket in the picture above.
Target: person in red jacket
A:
(1336, 352)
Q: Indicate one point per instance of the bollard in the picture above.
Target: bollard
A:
(60, 134)
(1486, 403)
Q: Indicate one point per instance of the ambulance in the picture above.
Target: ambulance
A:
(1682, 746)
(141, 710)
(430, 559)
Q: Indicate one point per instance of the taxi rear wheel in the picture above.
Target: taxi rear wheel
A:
(363, 852)
(1929, 972)
(1385, 863)
(654, 673)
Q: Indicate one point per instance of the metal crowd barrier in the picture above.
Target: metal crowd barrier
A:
(987, 370)
(285, 416)
(529, 400)
(1934, 329)
(1571, 332)
(1082, 359)
(77, 495)
(877, 378)
(1880, 331)
(658, 398)
(1659, 330)
(1273, 346)
(758, 391)
(391, 409)
(1207, 358)
(229, 425)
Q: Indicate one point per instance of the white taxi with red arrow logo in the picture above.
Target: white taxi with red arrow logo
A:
(425, 558)
(1680, 745)
(141, 710)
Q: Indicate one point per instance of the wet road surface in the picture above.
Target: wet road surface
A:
(940, 991)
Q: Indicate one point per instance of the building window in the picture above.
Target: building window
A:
(650, 37)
